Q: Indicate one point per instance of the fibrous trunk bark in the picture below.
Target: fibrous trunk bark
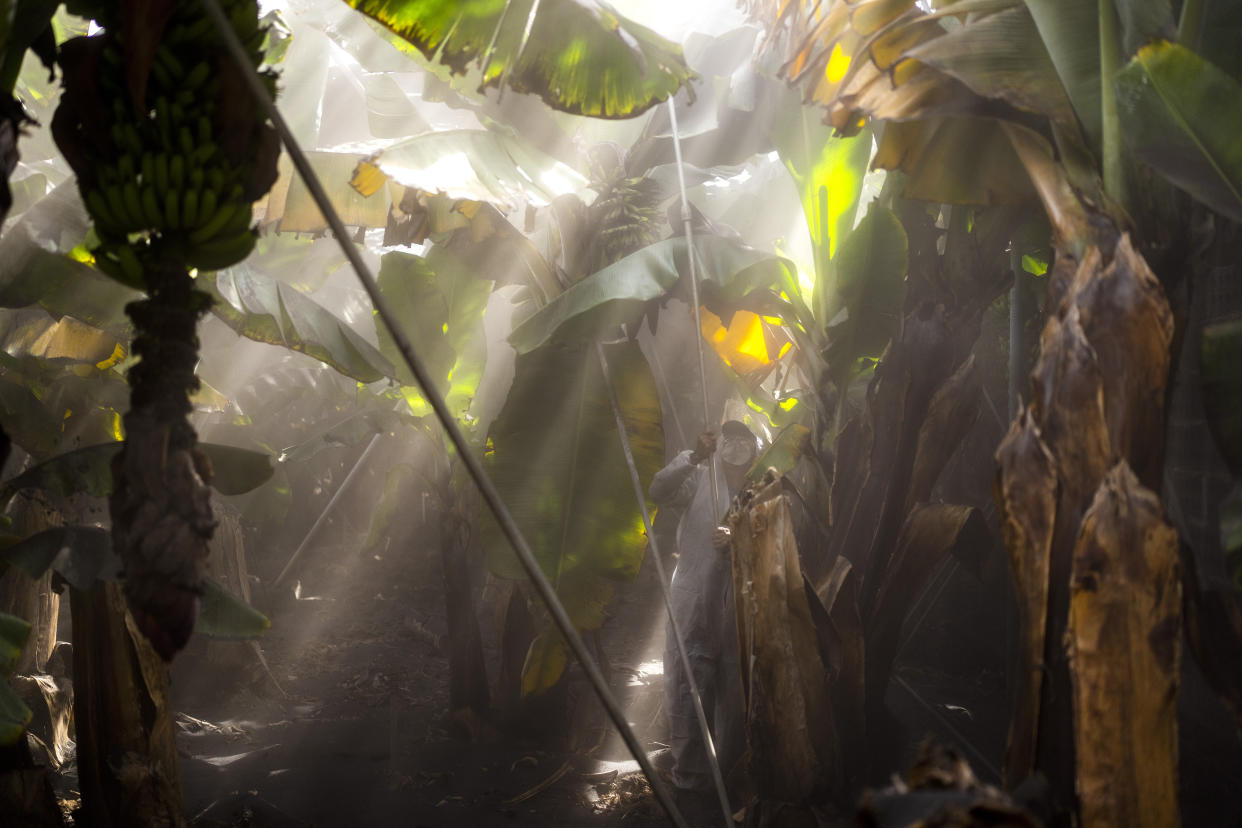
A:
(127, 755)
(1097, 401)
(790, 731)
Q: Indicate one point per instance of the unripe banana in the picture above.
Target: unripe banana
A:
(172, 210)
(161, 175)
(211, 228)
(203, 152)
(116, 203)
(189, 209)
(197, 75)
(133, 205)
(125, 166)
(205, 132)
(130, 265)
(104, 218)
(176, 173)
(206, 208)
(197, 177)
(217, 255)
(151, 208)
(187, 140)
(148, 168)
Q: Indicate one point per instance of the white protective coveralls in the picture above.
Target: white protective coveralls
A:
(702, 599)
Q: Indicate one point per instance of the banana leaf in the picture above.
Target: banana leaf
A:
(265, 310)
(89, 470)
(223, 615)
(871, 270)
(556, 460)
(620, 293)
(443, 318)
(62, 286)
(26, 421)
(481, 165)
(585, 598)
(1070, 31)
(14, 715)
(1182, 116)
(580, 56)
(80, 554)
(829, 175)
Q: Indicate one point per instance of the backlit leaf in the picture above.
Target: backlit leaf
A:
(264, 310)
(581, 56)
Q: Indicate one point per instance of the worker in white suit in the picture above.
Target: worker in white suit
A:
(702, 601)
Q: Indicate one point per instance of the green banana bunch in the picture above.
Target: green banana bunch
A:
(170, 181)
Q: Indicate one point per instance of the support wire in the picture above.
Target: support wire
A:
(708, 742)
(488, 489)
(691, 254)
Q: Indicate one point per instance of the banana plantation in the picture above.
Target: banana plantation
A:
(766, 413)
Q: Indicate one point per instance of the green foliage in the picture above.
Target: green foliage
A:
(581, 57)
(557, 462)
(1182, 115)
(223, 615)
(443, 317)
(14, 716)
(871, 270)
(265, 310)
(89, 470)
(621, 293)
(829, 174)
(80, 554)
(783, 453)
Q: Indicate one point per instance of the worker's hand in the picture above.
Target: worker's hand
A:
(721, 538)
(705, 448)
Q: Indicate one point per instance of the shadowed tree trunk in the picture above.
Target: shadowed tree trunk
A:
(127, 756)
(1097, 406)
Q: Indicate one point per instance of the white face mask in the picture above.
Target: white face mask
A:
(737, 451)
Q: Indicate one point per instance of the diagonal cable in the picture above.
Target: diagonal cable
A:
(692, 255)
(717, 778)
(473, 466)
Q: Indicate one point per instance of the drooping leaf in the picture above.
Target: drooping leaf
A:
(596, 305)
(14, 715)
(442, 317)
(65, 340)
(558, 465)
(79, 553)
(223, 615)
(871, 269)
(955, 160)
(290, 201)
(13, 634)
(89, 470)
(25, 419)
(1182, 115)
(268, 311)
(62, 286)
(580, 57)
(1001, 56)
(1071, 34)
(236, 470)
(23, 23)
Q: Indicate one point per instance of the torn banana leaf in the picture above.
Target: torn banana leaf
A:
(580, 56)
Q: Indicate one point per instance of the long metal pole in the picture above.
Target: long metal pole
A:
(686, 218)
(680, 641)
(297, 553)
(473, 466)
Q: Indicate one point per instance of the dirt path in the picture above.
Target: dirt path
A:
(360, 738)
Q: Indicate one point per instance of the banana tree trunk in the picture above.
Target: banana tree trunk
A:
(162, 520)
(1076, 482)
(127, 754)
(468, 691)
